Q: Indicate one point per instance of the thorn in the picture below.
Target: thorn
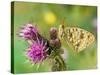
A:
(42, 42)
(46, 49)
(38, 40)
(45, 44)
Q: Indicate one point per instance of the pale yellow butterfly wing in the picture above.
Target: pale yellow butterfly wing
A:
(61, 32)
(77, 37)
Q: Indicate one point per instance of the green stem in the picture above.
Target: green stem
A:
(58, 63)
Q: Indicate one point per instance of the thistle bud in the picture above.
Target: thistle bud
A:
(55, 43)
(53, 33)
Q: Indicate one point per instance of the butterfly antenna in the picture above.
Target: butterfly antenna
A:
(63, 23)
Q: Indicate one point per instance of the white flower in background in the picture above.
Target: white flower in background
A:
(94, 23)
(64, 54)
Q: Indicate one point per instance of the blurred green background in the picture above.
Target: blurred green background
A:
(51, 15)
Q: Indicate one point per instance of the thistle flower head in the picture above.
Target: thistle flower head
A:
(38, 51)
(29, 32)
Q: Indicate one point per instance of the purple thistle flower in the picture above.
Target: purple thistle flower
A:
(37, 51)
(29, 32)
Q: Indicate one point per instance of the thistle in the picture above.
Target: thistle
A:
(53, 33)
(54, 41)
(41, 48)
(28, 32)
(58, 63)
(37, 51)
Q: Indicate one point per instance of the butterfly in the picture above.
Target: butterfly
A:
(78, 38)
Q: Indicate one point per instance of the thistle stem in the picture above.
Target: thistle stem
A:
(58, 63)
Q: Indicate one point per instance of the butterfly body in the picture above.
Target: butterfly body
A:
(78, 38)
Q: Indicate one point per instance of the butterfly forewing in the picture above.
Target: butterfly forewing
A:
(61, 32)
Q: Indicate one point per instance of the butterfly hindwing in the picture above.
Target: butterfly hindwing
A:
(79, 38)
